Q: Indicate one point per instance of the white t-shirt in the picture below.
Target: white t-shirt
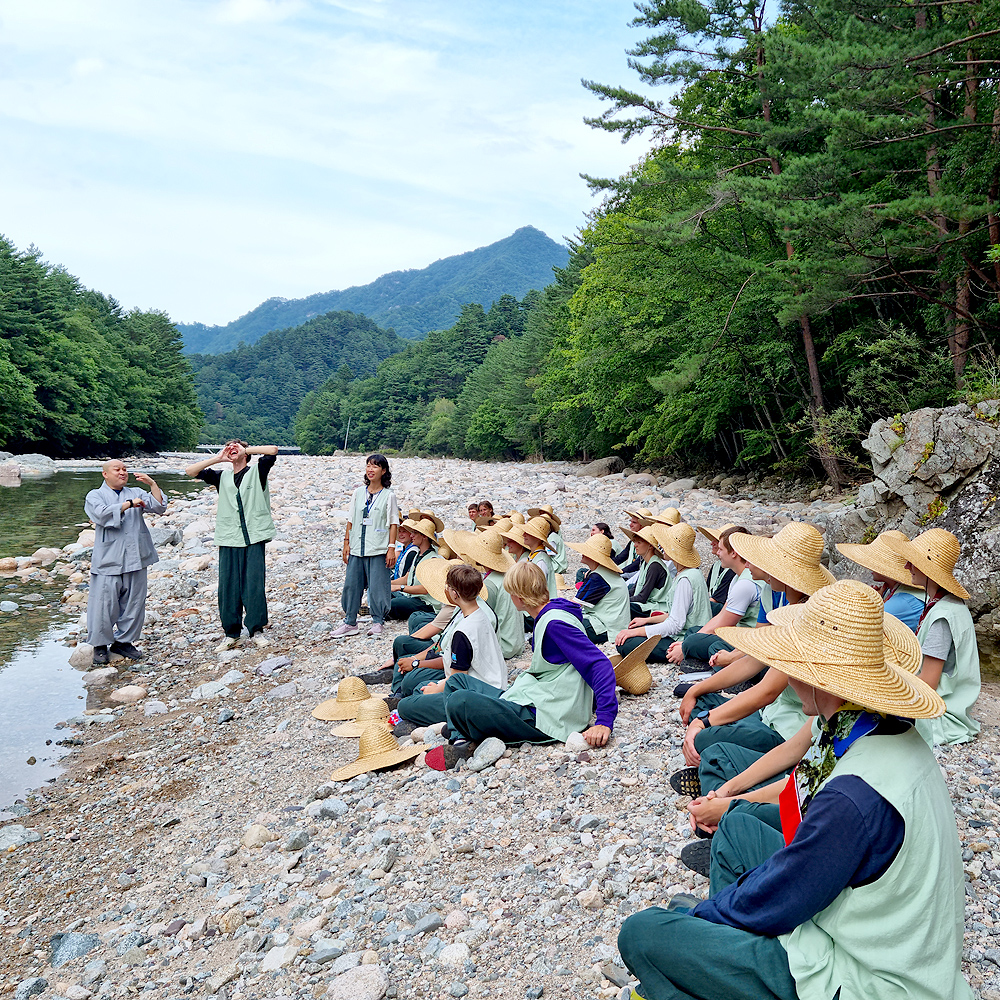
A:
(673, 624)
(742, 593)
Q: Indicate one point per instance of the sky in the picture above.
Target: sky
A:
(200, 156)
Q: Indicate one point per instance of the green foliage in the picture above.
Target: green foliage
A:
(78, 374)
(411, 302)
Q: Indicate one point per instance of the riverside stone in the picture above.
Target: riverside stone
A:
(68, 946)
(366, 982)
(16, 835)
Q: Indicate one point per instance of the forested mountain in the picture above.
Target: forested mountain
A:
(411, 302)
(79, 375)
(255, 391)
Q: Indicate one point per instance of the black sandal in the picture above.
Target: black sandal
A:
(698, 857)
(686, 782)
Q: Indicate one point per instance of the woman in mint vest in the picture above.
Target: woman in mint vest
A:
(653, 584)
(556, 694)
(603, 587)
(689, 602)
(946, 634)
(369, 548)
(243, 526)
(864, 896)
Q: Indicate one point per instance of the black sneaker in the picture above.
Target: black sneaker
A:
(698, 857)
(393, 703)
(383, 676)
(689, 665)
(683, 688)
(404, 727)
(101, 655)
(127, 650)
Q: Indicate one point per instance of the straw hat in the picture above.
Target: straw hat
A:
(677, 543)
(714, 534)
(515, 534)
(425, 526)
(514, 515)
(413, 514)
(377, 748)
(644, 534)
(669, 515)
(538, 527)
(837, 644)
(500, 524)
(631, 673)
(445, 551)
(791, 556)
(598, 548)
(370, 711)
(900, 645)
(878, 557)
(484, 548)
(431, 516)
(432, 573)
(934, 553)
(641, 514)
(350, 693)
(546, 511)
(485, 521)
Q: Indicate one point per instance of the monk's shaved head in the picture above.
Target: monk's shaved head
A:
(110, 462)
(115, 473)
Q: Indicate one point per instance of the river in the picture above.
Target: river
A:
(38, 687)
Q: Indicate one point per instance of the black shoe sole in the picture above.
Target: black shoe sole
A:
(689, 665)
(698, 857)
(683, 688)
(378, 677)
(686, 782)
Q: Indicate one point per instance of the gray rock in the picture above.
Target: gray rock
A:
(16, 835)
(603, 467)
(267, 667)
(387, 858)
(129, 941)
(534, 992)
(154, 707)
(326, 950)
(640, 479)
(94, 971)
(588, 822)
(212, 689)
(30, 988)
(431, 922)
(349, 961)
(487, 753)
(82, 656)
(458, 989)
(366, 982)
(226, 715)
(9, 606)
(679, 485)
(326, 809)
(232, 677)
(166, 536)
(297, 840)
(66, 947)
(282, 691)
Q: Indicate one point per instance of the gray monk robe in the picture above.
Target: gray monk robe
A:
(123, 548)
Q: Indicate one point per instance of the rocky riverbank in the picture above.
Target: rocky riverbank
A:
(196, 847)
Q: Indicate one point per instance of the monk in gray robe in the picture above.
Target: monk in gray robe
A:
(123, 548)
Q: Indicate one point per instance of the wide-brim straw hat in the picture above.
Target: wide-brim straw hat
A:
(631, 672)
(498, 524)
(445, 551)
(934, 553)
(900, 645)
(714, 534)
(641, 514)
(370, 711)
(677, 543)
(485, 521)
(425, 526)
(377, 748)
(484, 548)
(515, 534)
(433, 518)
(669, 515)
(791, 556)
(878, 557)
(598, 548)
(545, 511)
(432, 574)
(538, 527)
(514, 515)
(644, 534)
(837, 644)
(350, 693)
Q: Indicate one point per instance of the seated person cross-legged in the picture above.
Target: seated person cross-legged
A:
(865, 896)
(653, 586)
(603, 589)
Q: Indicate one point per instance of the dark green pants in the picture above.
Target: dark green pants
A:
(406, 645)
(592, 634)
(676, 956)
(702, 645)
(403, 685)
(241, 586)
(403, 605)
(419, 619)
(427, 709)
(659, 653)
(723, 761)
(749, 833)
(749, 732)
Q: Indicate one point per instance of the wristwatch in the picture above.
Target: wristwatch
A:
(703, 716)
(415, 663)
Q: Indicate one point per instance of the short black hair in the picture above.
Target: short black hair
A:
(383, 463)
(604, 529)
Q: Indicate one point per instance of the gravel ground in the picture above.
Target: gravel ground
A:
(195, 845)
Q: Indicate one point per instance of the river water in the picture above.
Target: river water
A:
(38, 687)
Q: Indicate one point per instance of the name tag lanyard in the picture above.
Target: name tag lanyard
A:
(372, 497)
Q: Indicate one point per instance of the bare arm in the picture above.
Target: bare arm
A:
(196, 468)
(930, 671)
(726, 677)
(263, 449)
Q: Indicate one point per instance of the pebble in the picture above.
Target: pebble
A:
(366, 982)
(68, 946)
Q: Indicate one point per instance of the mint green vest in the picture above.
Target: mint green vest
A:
(659, 599)
(959, 684)
(899, 938)
(563, 700)
(559, 561)
(376, 533)
(510, 627)
(256, 503)
(701, 607)
(412, 581)
(784, 715)
(611, 613)
(545, 562)
(714, 575)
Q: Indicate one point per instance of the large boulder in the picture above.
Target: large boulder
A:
(603, 467)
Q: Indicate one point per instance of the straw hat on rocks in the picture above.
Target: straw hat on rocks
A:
(631, 673)
(377, 748)
(598, 548)
(791, 556)
(370, 711)
(432, 574)
(933, 553)
(485, 548)
(677, 543)
(714, 534)
(879, 557)
(837, 643)
(350, 693)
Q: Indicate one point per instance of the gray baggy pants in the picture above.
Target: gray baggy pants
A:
(116, 600)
